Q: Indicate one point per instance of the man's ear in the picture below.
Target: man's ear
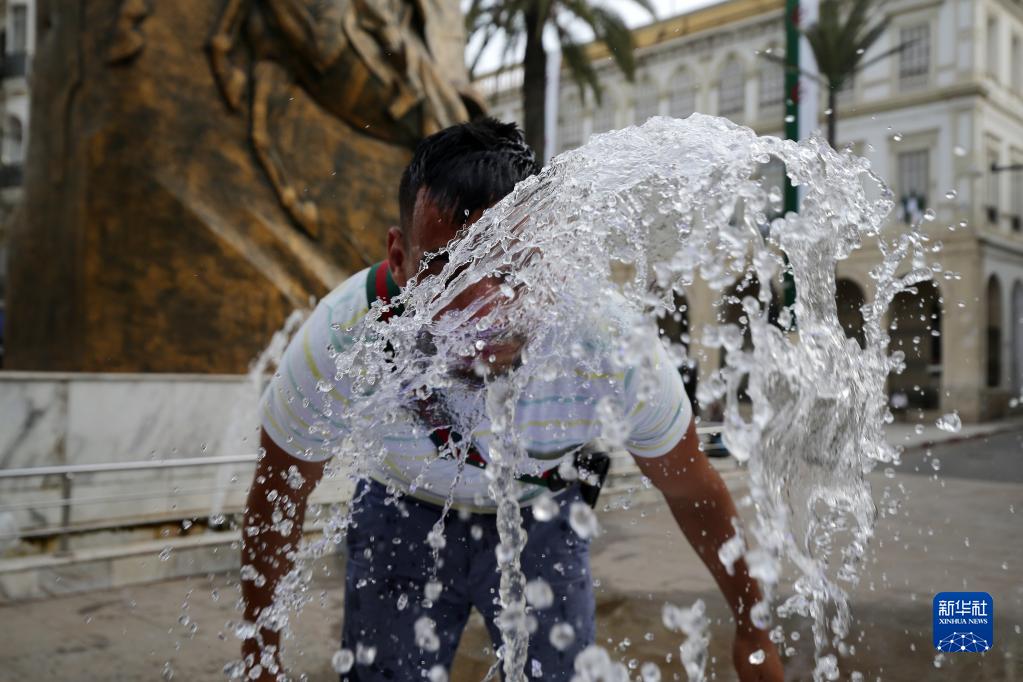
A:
(396, 255)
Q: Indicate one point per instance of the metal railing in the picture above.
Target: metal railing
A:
(67, 473)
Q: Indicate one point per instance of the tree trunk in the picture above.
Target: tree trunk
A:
(832, 116)
(534, 83)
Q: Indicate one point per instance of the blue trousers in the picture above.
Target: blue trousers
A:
(390, 562)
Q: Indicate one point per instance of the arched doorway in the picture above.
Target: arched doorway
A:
(1017, 338)
(849, 299)
(994, 332)
(915, 329)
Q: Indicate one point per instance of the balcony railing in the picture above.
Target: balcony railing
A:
(15, 65)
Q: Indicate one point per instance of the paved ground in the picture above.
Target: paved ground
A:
(958, 528)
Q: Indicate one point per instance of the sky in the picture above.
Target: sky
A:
(634, 16)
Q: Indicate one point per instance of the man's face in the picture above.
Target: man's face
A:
(431, 230)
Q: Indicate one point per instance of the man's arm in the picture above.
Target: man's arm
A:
(704, 509)
(274, 514)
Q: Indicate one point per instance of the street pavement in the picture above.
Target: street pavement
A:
(951, 526)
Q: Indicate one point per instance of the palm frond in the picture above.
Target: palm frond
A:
(579, 66)
(841, 36)
(618, 38)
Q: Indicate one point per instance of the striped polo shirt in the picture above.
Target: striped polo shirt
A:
(304, 409)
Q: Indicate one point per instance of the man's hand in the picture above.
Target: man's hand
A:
(704, 511)
(271, 532)
(748, 641)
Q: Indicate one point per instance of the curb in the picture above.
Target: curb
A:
(968, 437)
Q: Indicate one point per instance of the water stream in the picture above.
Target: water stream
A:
(606, 236)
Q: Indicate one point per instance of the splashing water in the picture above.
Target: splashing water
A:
(606, 236)
(244, 410)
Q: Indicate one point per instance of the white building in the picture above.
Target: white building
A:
(17, 44)
(938, 121)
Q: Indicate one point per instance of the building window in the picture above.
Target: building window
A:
(992, 48)
(915, 59)
(13, 146)
(1016, 220)
(683, 94)
(993, 181)
(604, 114)
(19, 30)
(570, 124)
(913, 178)
(1016, 67)
(732, 90)
(772, 89)
(994, 332)
(647, 100)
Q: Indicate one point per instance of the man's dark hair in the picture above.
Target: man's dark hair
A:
(466, 167)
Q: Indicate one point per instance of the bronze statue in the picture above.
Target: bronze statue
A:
(197, 170)
(369, 64)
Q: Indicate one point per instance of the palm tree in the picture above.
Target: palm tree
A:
(839, 40)
(525, 20)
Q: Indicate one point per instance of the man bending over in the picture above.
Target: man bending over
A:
(453, 177)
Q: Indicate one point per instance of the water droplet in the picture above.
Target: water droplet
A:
(545, 508)
(165, 554)
(432, 590)
(951, 194)
(583, 520)
(959, 151)
(365, 655)
(757, 657)
(897, 137)
(342, 661)
(649, 672)
(436, 538)
(426, 634)
(950, 422)
(539, 594)
(562, 635)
